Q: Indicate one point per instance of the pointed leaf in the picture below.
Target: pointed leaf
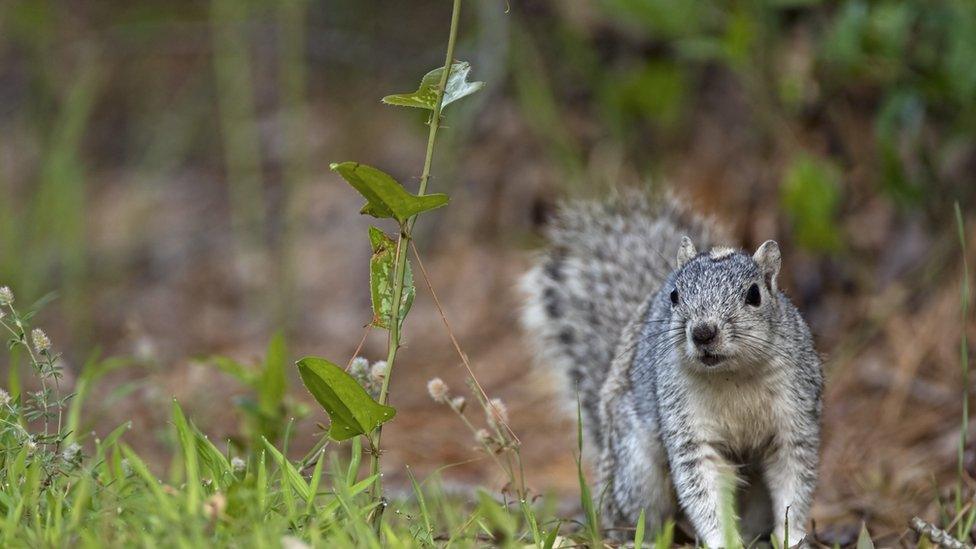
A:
(382, 267)
(385, 198)
(289, 473)
(864, 538)
(426, 96)
(273, 381)
(190, 461)
(351, 409)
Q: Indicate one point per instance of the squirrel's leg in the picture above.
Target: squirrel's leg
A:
(633, 469)
(791, 475)
(700, 473)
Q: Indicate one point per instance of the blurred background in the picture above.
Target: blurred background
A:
(164, 170)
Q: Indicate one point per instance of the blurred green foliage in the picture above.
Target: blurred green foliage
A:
(266, 408)
(811, 196)
(237, 94)
(882, 88)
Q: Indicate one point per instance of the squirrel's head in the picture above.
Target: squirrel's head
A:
(724, 302)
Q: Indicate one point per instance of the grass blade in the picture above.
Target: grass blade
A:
(190, 461)
(639, 533)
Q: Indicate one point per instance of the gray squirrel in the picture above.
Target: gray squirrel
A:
(693, 370)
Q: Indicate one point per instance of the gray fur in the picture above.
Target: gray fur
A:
(670, 411)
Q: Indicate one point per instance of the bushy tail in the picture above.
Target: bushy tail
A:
(604, 261)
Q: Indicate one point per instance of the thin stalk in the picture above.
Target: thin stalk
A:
(964, 358)
(400, 270)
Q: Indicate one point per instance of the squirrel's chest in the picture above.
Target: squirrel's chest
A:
(743, 416)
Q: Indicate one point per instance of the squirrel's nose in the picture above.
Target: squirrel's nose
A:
(703, 333)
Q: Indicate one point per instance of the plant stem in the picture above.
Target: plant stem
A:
(963, 358)
(400, 269)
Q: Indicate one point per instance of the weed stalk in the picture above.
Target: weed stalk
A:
(400, 270)
(964, 360)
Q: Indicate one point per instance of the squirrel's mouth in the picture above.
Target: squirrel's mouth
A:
(710, 359)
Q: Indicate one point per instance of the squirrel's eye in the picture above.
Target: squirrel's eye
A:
(753, 297)
(674, 297)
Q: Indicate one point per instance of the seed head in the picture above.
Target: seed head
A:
(42, 344)
(437, 389)
(238, 464)
(4, 398)
(378, 372)
(458, 403)
(497, 412)
(482, 436)
(6, 296)
(72, 452)
(359, 368)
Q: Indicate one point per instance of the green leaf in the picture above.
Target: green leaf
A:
(426, 95)
(190, 462)
(289, 473)
(811, 193)
(273, 382)
(234, 368)
(382, 267)
(665, 537)
(427, 535)
(639, 533)
(212, 459)
(140, 469)
(503, 525)
(351, 409)
(864, 538)
(385, 198)
(550, 541)
(198, 450)
(333, 505)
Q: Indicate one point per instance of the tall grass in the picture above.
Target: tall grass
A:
(965, 525)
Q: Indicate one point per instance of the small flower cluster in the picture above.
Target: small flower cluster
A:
(440, 392)
(6, 297)
(238, 465)
(45, 406)
(494, 439)
(42, 344)
(370, 377)
(72, 454)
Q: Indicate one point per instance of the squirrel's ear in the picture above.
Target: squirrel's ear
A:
(686, 251)
(768, 258)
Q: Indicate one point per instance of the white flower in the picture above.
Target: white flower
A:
(457, 403)
(4, 398)
(359, 368)
(6, 296)
(41, 342)
(482, 436)
(497, 412)
(72, 452)
(378, 372)
(238, 464)
(437, 389)
(31, 445)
